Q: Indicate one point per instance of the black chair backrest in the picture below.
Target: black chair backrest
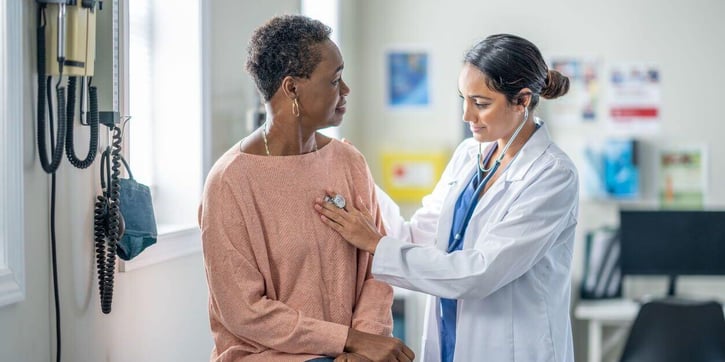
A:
(677, 330)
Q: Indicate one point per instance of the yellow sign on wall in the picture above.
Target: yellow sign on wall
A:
(408, 176)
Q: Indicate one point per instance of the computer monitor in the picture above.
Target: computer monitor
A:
(657, 242)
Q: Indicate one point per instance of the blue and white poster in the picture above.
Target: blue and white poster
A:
(611, 170)
(408, 79)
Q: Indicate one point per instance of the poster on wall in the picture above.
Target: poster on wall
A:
(611, 170)
(682, 177)
(408, 83)
(634, 98)
(621, 171)
(582, 100)
(408, 176)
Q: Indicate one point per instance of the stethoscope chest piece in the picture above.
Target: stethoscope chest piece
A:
(337, 200)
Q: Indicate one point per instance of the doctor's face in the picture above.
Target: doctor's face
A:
(487, 112)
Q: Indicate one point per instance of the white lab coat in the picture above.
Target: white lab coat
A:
(512, 278)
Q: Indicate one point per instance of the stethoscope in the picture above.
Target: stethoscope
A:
(481, 169)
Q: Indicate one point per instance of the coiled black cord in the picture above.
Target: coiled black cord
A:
(93, 94)
(66, 110)
(108, 223)
(63, 138)
(57, 153)
(70, 111)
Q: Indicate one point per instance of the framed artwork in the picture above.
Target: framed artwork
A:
(408, 78)
(408, 176)
(682, 176)
(582, 101)
(611, 170)
(635, 99)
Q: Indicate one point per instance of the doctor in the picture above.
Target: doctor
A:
(493, 243)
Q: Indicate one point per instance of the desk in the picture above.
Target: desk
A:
(597, 313)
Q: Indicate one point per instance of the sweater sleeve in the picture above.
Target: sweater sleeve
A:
(373, 313)
(373, 309)
(237, 287)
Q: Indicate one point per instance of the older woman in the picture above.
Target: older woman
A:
(282, 286)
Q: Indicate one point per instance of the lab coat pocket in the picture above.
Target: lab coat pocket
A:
(451, 192)
(452, 185)
(445, 215)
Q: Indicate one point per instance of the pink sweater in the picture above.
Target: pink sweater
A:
(282, 285)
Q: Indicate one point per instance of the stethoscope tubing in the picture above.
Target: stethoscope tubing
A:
(489, 173)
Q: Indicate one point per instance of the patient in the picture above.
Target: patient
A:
(282, 286)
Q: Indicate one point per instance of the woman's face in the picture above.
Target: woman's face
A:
(322, 96)
(488, 113)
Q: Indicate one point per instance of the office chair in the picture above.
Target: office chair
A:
(677, 330)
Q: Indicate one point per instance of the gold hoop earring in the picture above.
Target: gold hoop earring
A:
(295, 108)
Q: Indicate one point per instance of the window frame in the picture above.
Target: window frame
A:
(12, 262)
(179, 241)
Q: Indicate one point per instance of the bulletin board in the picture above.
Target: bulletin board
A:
(408, 176)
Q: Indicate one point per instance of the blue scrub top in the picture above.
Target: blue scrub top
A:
(447, 320)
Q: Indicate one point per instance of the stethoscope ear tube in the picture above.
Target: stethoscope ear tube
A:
(481, 169)
(500, 157)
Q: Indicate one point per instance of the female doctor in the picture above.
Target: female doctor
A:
(492, 244)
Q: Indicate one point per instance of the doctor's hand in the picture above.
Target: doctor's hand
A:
(354, 223)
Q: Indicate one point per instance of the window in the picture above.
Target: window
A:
(166, 105)
(326, 11)
(12, 269)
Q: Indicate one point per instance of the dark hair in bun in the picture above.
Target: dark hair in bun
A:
(512, 63)
(556, 86)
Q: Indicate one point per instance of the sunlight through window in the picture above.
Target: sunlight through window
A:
(328, 12)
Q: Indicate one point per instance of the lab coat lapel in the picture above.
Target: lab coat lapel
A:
(532, 150)
(516, 171)
(467, 168)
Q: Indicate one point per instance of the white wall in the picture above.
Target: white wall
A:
(160, 311)
(683, 38)
(233, 90)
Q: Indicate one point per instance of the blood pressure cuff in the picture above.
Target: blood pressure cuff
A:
(137, 210)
